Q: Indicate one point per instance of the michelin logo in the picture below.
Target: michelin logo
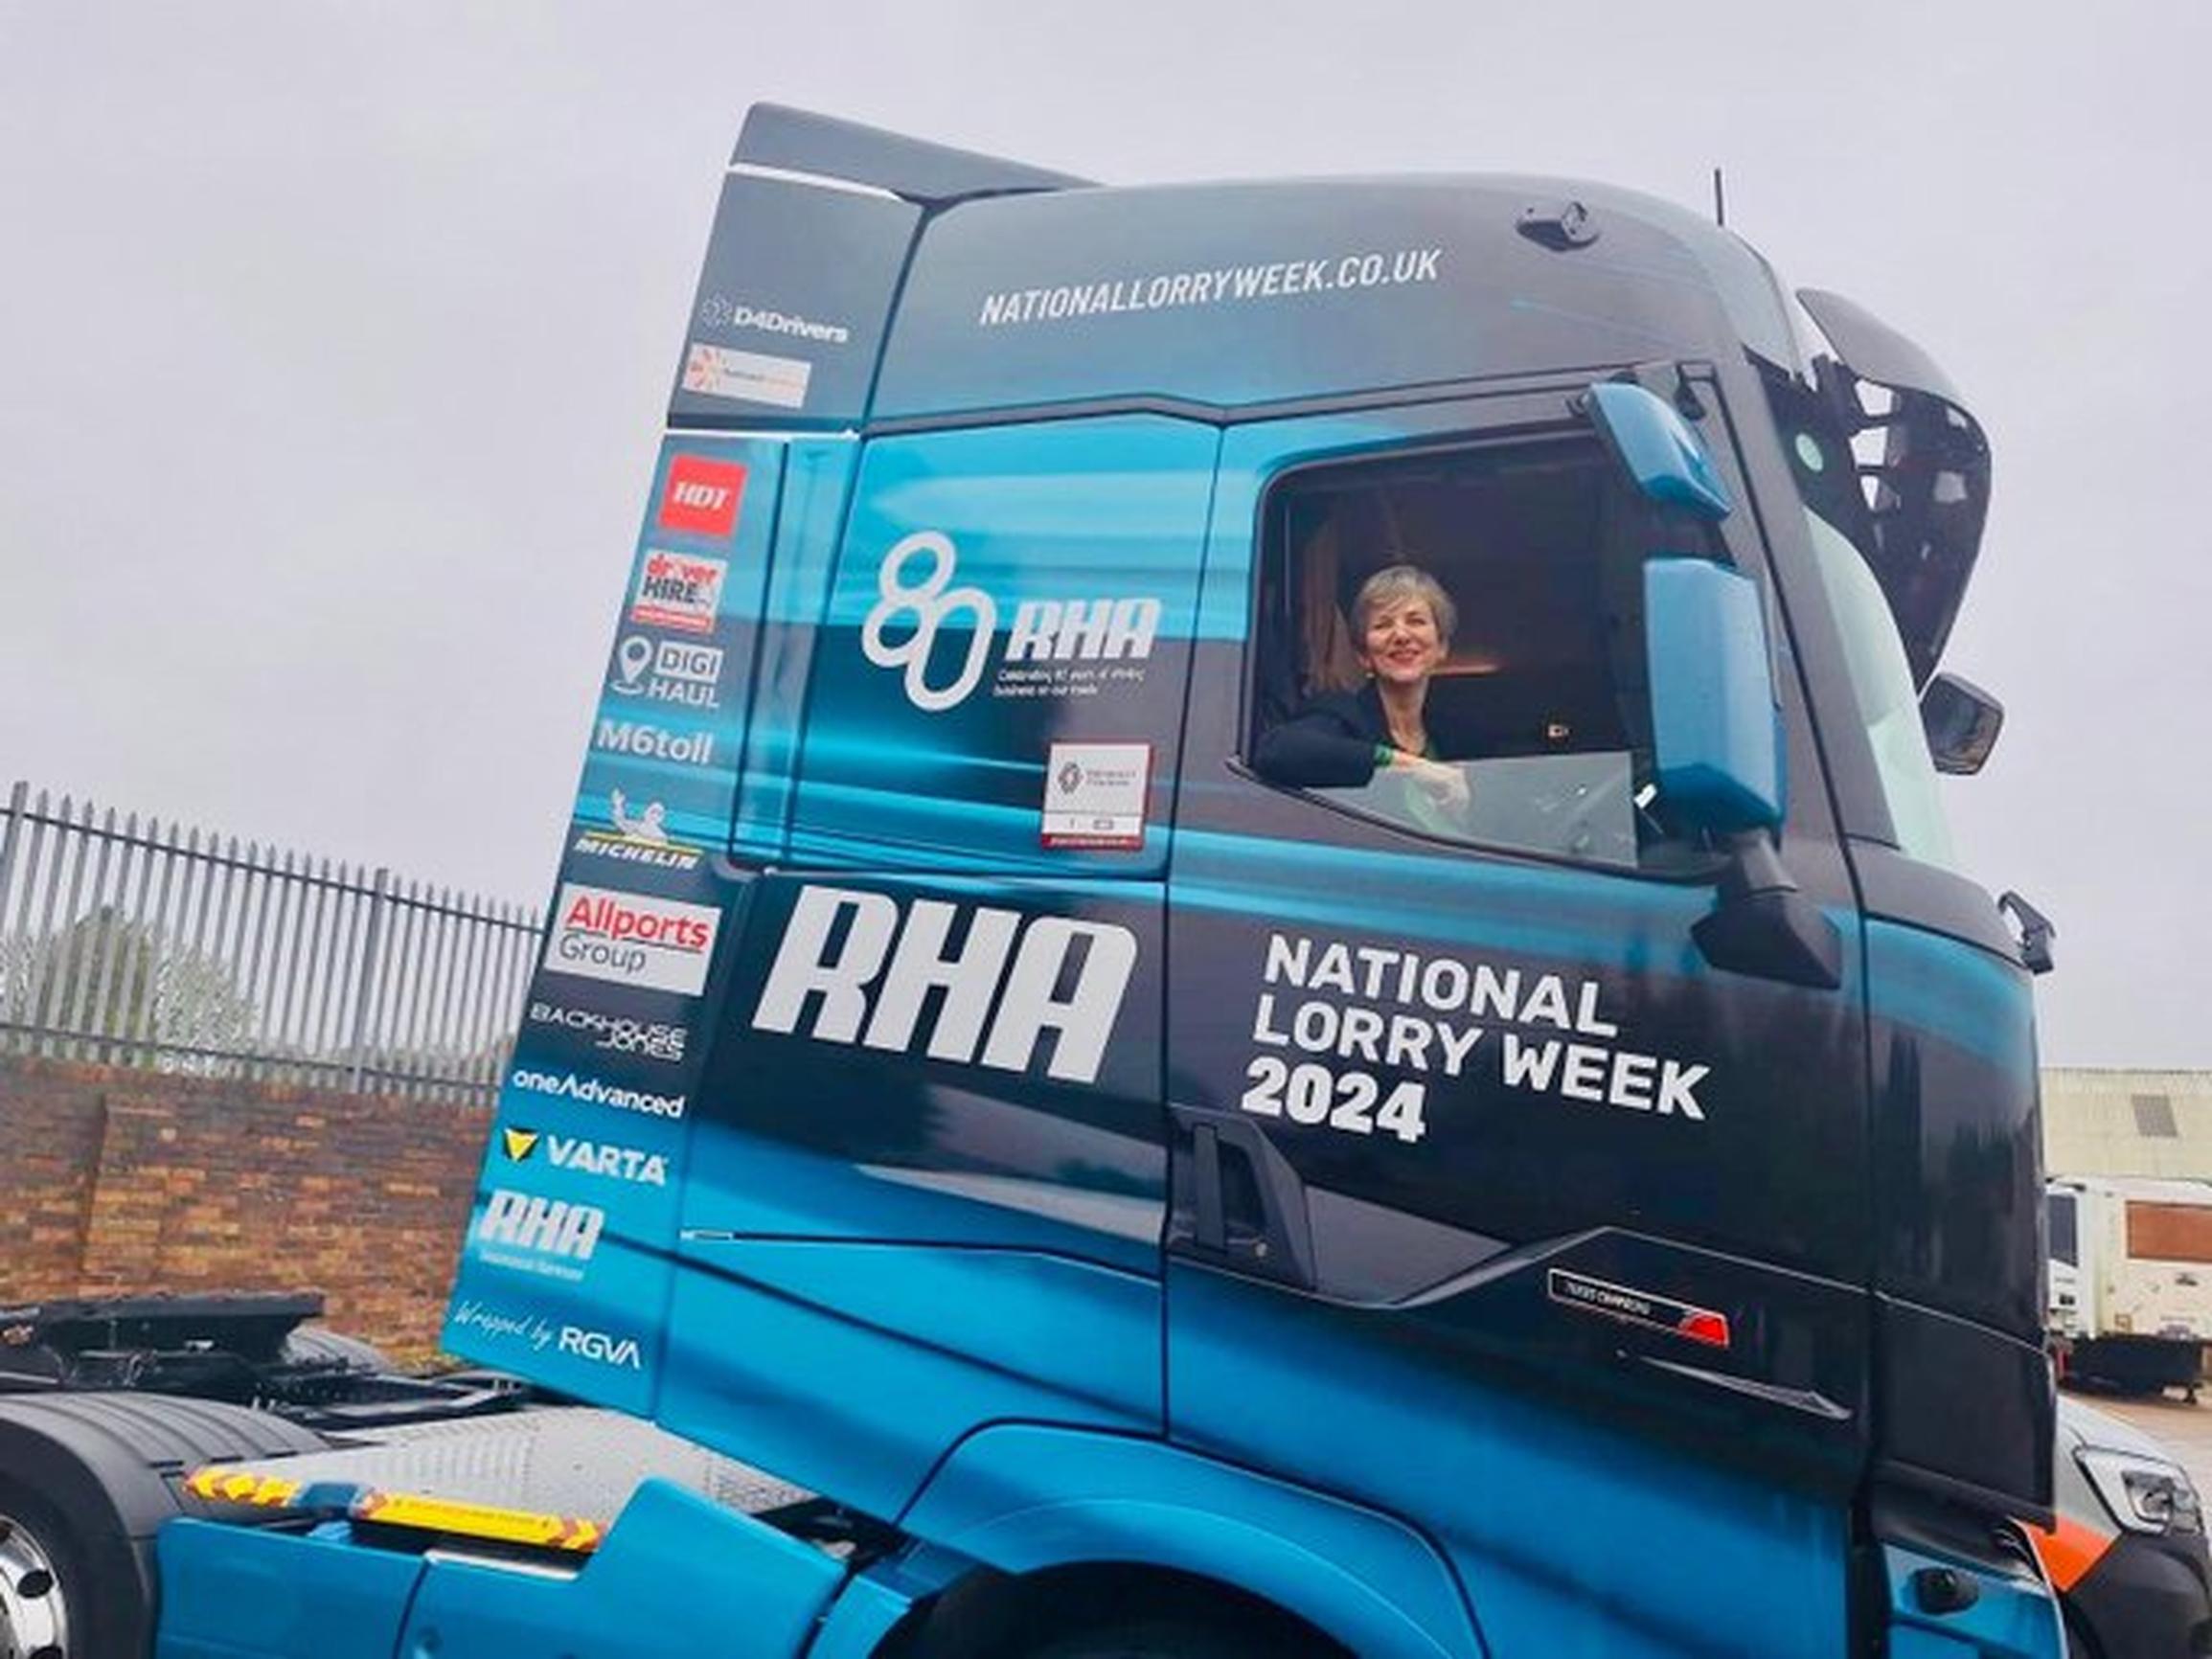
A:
(842, 992)
(1043, 632)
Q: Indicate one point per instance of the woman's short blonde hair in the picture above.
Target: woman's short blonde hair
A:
(1396, 582)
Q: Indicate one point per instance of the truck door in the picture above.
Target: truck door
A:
(928, 1171)
(1474, 1154)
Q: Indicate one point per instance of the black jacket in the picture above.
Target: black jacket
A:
(1327, 744)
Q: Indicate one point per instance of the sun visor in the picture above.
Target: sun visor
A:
(792, 305)
(1925, 474)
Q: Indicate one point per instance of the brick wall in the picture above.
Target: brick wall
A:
(118, 1180)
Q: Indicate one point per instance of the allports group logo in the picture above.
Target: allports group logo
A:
(701, 496)
(630, 939)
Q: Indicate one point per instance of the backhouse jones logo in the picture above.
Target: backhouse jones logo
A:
(630, 939)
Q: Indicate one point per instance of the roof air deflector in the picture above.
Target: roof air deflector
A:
(932, 175)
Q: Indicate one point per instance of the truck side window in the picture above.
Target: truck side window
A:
(1533, 723)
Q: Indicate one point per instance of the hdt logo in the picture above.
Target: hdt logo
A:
(1044, 630)
(701, 496)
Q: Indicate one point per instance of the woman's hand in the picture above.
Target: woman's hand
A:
(1445, 785)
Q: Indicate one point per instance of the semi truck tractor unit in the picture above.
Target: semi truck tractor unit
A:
(2130, 1279)
(1567, 1184)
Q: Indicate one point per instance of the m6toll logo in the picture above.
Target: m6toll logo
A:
(1045, 630)
(985, 1015)
(701, 496)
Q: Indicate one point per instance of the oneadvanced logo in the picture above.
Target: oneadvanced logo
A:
(591, 1092)
(606, 1158)
(701, 496)
(651, 742)
(601, 1349)
(1043, 630)
(653, 1040)
(534, 1235)
(855, 999)
(629, 938)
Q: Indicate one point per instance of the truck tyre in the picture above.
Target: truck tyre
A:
(1166, 1639)
(88, 1480)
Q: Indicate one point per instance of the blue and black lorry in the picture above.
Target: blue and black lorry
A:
(1091, 1197)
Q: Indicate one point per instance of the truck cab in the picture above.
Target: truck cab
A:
(1154, 1205)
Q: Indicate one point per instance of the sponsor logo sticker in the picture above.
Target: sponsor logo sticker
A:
(668, 671)
(607, 1159)
(746, 376)
(618, 1351)
(592, 1092)
(631, 939)
(651, 1039)
(639, 837)
(680, 591)
(537, 1235)
(651, 742)
(1056, 647)
(1094, 795)
(701, 496)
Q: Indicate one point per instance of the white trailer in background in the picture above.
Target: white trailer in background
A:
(2130, 1279)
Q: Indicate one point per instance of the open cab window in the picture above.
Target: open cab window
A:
(1534, 723)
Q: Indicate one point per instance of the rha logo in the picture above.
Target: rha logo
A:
(596, 1346)
(629, 938)
(701, 496)
(538, 1235)
(1044, 630)
(675, 590)
(855, 999)
(616, 1163)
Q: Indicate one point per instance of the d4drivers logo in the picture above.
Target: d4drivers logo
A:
(630, 939)
(701, 496)
(677, 591)
(1045, 630)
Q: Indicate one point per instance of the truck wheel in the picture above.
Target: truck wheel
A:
(88, 1480)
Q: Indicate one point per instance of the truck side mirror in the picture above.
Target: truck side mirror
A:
(1962, 722)
(1656, 449)
(1717, 747)
(1718, 753)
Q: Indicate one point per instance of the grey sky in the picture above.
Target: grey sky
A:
(334, 341)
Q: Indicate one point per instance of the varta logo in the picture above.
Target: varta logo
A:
(984, 1013)
(520, 1143)
(617, 1163)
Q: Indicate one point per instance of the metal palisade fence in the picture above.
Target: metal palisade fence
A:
(145, 945)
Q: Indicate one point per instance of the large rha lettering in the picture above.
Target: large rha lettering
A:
(865, 966)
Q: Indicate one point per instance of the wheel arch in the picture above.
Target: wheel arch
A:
(1032, 1502)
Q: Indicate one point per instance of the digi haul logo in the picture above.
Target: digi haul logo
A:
(840, 989)
(701, 496)
(630, 939)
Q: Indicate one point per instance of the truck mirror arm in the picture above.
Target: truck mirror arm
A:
(1763, 925)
